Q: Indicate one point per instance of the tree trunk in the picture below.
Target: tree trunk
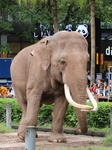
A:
(55, 18)
(93, 50)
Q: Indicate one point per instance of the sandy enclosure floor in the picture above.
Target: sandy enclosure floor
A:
(10, 141)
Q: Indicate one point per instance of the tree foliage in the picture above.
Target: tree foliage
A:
(5, 48)
(30, 17)
(104, 10)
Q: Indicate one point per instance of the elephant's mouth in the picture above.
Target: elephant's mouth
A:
(82, 107)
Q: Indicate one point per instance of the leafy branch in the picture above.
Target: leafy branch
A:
(5, 48)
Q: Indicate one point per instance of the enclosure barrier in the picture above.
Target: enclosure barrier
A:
(30, 138)
(111, 120)
(8, 115)
(109, 82)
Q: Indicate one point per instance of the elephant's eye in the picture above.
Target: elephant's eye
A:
(62, 62)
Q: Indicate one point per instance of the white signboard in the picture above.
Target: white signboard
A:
(108, 51)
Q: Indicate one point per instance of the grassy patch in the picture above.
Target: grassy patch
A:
(106, 129)
(85, 148)
(5, 129)
(92, 148)
(107, 141)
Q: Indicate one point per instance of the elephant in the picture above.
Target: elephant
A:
(53, 71)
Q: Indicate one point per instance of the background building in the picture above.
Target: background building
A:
(103, 46)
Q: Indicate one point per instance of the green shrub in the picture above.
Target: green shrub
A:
(45, 115)
(70, 117)
(99, 119)
(15, 109)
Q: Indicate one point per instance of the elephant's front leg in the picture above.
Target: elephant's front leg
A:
(33, 105)
(60, 107)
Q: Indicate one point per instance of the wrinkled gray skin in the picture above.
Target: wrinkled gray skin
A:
(40, 79)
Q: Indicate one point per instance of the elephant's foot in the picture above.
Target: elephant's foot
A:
(21, 132)
(18, 139)
(57, 138)
(21, 136)
(82, 130)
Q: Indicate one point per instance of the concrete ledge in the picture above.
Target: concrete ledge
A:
(69, 131)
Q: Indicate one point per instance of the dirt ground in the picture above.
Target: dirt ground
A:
(10, 141)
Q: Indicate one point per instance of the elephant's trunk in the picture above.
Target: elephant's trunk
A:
(81, 106)
(82, 121)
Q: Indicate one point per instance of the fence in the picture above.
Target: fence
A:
(109, 82)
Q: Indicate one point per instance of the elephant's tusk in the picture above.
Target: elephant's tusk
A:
(72, 102)
(92, 100)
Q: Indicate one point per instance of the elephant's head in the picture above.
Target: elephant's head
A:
(66, 54)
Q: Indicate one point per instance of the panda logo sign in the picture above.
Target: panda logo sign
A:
(68, 27)
(83, 29)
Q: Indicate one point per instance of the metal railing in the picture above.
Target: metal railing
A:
(109, 82)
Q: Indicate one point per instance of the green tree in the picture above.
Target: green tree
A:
(104, 11)
(30, 18)
(93, 44)
(54, 10)
(55, 18)
(4, 24)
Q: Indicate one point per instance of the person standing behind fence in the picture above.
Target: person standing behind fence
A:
(107, 77)
(103, 74)
(106, 89)
(88, 78)
(3, 91)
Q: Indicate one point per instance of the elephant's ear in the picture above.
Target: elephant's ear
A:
(43, 57)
